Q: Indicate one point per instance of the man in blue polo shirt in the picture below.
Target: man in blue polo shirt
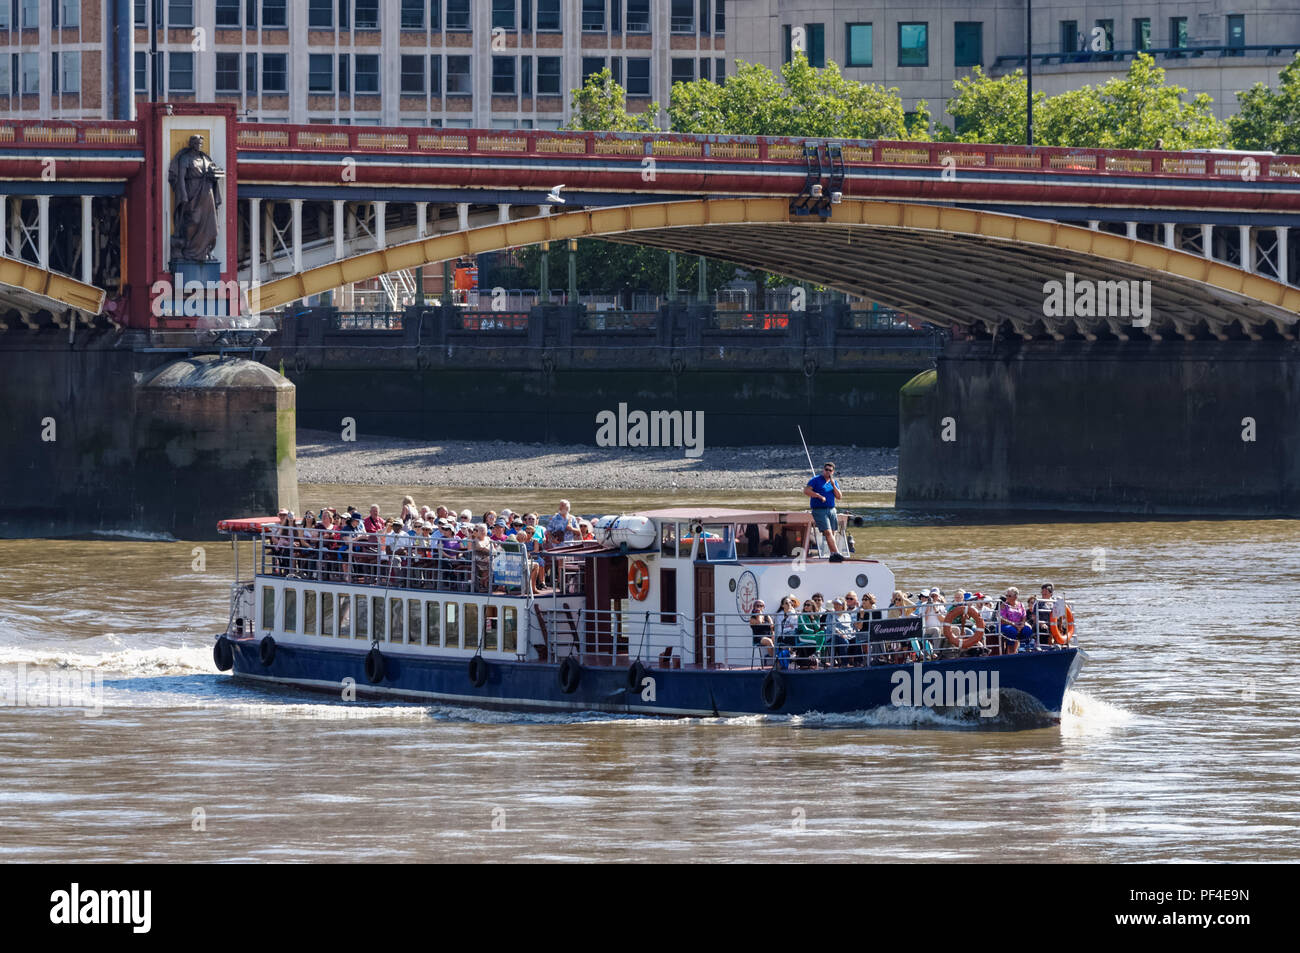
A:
(822, 492)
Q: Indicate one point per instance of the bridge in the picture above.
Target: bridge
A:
(958, 234)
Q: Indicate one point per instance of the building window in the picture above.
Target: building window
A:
(412, 14)
(914, 44)
(526, 75)
(344, 72)
(682, 16)
(366, 75)
(31, 14)
(705, 65)
(228, 13)
(141, 14)
(274, 12)
(435, 74)
(412, 74)
(815, 36)
(250, 73)
(275, 77)
(683, 70)
(29, 66)
(704, 17)
(968, 44)
(66, 13)
(1141, 33)
(458, 76)
(719, 17)
(65, 75)
(180, 72)
(548, 15)
(526, 15)
(1178, 32)
(638, 76)
(141, 71)
(320, 14)
(548, 74)
(435, 14)
(616, 70)
(4, 25)
(1107, 28)
(366, 15)
(180, 13)
(503, 14)
(593, 16)
(591, 65)
(1236, 32)
(1069, 36)
(857, 44)
(503, 75)
(638, 16)
(320, 73)
(228, 72)
(458, 17)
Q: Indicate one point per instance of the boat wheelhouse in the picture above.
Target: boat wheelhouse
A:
(652, 616)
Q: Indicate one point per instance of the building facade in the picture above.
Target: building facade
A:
(473, 63)
(1212, 46)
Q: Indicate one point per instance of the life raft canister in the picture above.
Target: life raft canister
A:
(1062, 627)
(952, 632)
(638, 580)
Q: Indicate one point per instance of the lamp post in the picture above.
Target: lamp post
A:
(1029, 72)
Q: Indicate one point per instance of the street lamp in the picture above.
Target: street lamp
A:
(1029, 72)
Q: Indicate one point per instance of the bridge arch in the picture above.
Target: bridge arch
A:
(946, 265)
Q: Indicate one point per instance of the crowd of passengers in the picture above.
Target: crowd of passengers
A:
(818, 633)
(422, 545)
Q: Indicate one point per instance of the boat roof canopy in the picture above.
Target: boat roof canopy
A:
(724, 515)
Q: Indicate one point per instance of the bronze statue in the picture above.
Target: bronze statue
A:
(193, 177)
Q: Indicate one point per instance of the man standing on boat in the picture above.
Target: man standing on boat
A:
(822, 492)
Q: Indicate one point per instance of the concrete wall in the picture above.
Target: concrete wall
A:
(1145, 428)
(94, 438)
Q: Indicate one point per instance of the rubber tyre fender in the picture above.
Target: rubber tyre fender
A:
(223, 655)
(478, 671)
(636, 673)
(570, 675)
(266, 650)
(774, 690)
(375, 666)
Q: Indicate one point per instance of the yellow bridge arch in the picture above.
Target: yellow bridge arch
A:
(942, 264)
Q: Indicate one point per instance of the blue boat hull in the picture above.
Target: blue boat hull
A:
(1029, 685)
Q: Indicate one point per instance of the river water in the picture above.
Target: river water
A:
(1180, 742)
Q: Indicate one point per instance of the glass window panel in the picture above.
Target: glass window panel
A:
(548, 15)
(363, 617)
(327, 613)
(458, 15)
(968, 44)
(471, 625)
(309, 612)
(451, 623)
(345, 616)
(413, 620)
(290, 609)
(858, 44)
(377, 619)
(509, 629)
(268, 609)
(914, 44)
(548, 75)
(396, 620)
(433, 623)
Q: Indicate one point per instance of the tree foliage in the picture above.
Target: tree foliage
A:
(601, 106)
(1269, 120)
(1137, 111)
(610, 266)
(801, 101)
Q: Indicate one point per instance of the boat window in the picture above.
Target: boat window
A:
(309, 612)
(453, 626)
(471, 625)
(433, 623)
(345, 616)
(327, 613)
(413, 621)
(668, 539)
(363, 617)
(719, 543)
(268, 608)
(377, 619)
(668, 596)
(290, 609)
(509, 629)
(489, 628)
(395, 619)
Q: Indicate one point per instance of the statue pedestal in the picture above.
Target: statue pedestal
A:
(183, 270)
(198, 296)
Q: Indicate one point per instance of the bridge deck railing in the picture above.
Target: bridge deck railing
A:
(43, 133)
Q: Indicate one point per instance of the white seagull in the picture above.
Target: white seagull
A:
(554, 195)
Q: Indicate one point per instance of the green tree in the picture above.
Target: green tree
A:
(1136, 111)
(615, 267)
(1268, 120)
(802, 101)
(601, 106)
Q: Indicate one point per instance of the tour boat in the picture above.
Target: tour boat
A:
(652, 617)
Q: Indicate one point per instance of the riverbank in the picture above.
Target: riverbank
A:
(323, 458)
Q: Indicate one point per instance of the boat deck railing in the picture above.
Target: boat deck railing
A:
(716, 640)
(407, 563)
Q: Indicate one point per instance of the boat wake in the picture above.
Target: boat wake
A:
(1082, 714)
(158, 660)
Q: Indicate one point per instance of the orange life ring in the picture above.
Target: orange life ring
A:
(1062, 627)
(953, 632)
(638, 580)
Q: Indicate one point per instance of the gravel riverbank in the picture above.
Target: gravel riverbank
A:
(391, 461)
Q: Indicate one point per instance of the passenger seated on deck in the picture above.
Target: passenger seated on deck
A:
(1043, 609)
(843, 634)
(480, 548)
(811, 635)
(374, 523)
(763, 628)
(564, 522)
(787, 622)
(1013, 617)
